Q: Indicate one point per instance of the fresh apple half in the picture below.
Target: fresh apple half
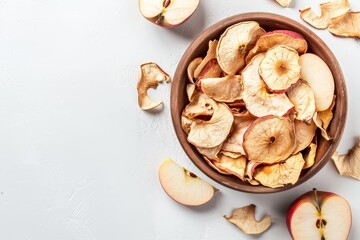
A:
(319, 215)
(184, 186)
(168, 13)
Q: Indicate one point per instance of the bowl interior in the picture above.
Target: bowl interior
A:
(269, 22)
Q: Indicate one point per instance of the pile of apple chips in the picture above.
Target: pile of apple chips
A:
(256, 100)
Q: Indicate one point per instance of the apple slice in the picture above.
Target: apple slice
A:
(167, 13)
(319, 77)
(184, 186)
(319, 215)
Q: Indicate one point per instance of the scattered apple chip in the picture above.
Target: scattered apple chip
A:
(349, 164)
(269, 139)
(235, 43)
(258, 100)
(244, 218)
(210, 55)
(226, 89)
(200, 107)
(280, 68)
(212, 133)
(329, 10)
(191, 68)
(280, 174)
(284, 3)
(278, 37)
(302, 96)
(304, 134)
(234, 166)
(309, 157)
(211, 70)
(151, 75)
(346, 25)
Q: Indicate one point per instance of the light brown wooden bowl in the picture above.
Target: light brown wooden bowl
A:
(269, 22)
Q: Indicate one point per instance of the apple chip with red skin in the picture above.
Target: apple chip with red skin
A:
(280, 68)
(269, 139)
(258, 100)
(191, 68)
(226, 89)
(278, 37)
(346, 25)
(235, 43)
(302, 96)
(211, 70)
(329, 10)
(349, 164)
(304, 134)
(210, 55)
(280, 174)
(322, 120)
(244, 219)
(151, 75)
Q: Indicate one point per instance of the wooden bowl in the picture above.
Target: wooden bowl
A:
(269, 22)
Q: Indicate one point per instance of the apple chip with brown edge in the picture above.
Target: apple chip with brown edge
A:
(210, 55)
(226, 89)
(269, 139)
(346, 25)
(211, 164)
(191, 68)
(304, 134)
(329, 10)
(322, 120)
(280, 174)
(258, 100)
(235, 43)
(302, 96)
(244, 219)
(349, 164)
(201, 107)
(234, 166)
(278, 37)
(211, 70)
(310, 155)
(234, 142)
(280, 68)
(150, 76)
(211, 133)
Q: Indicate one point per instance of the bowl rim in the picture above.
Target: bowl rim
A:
(223, 24)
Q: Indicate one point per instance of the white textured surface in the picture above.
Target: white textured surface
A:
(79, 159)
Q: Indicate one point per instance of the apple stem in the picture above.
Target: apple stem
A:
(166, 3)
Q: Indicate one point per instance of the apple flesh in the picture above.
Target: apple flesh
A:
(183, 186)
(319, 77)
(319, 215)
(167, 13)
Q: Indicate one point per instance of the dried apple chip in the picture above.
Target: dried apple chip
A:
(258, 100)
(284, 3)
(151, 75)
(349, 164)
(210, 55)
(244, 218)
(269, 139)
(211, 164)
(278, 37)
(191, 91)
(346, 25)
(185, 124)
(201, 107)
(280, 68)
(280, 174)
(211, 70)
(329, 10)
(309, 157)
(211, 153)
(322, 120)
(212, 133)
(304, 134)
(235, 43)
(226, 89)
(302, 96)
(234, 166)
(231, 154)
(191, 68)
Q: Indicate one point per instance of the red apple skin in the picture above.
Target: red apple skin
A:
(306, 197)
(286, 32)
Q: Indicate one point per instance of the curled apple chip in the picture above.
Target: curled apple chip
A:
(309, 157)
(269, 139)
(210, 55)
(211, 164)
(230, 154)
(151, 75)
(280, 174)
(329, 10)
(322, 120)
(191, 91)
(280, 68)
(185, 124)
(201, 107)
(258, 100)
(244, 218)
(211, 153)
(226, 89)
(278, 37)
(250, 169)
(191, 68)
(284, 3)
(346, 25)
(211, 70)
(235, 43)
(302, 96)
(304, 134)
(349, 164)
(212, 133)
(234, 166)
